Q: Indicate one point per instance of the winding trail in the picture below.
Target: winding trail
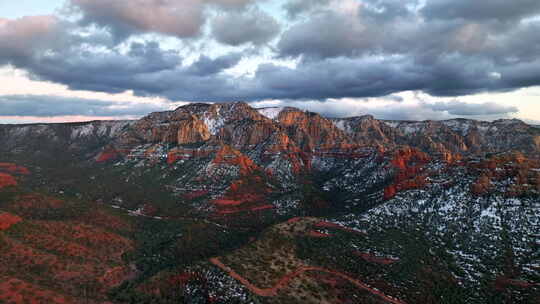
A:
(284, 281)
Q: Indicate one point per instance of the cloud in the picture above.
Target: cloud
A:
(341, 49)
(237, 28)
(147, 69)
(51, 106)
(501, 10)
(469, 109)
(181, 19)
(19, 37)
(294, 8)
(205, 66)
(326, 34)
(381, 108)
(393, 107)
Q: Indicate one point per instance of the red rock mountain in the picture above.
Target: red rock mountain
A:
(453, 202)
(219, 143)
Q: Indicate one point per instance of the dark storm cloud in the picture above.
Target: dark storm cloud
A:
(388, 28)
(297, 7)
(206, 66)
(382, 48)
(149, 70)
(109, 71)
(50, 106)
(372, 76)
(327, 34)
(237, 28)
(444, 56)
(469, 109)
(502, 10)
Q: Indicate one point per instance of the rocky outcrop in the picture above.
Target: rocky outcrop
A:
(192, 131)
(409, 164)
(512, 173)
(482, 186)
(368, 131)
(223, 140)
(457, 136)
(229, 156)
(310, 131)
(109, 154)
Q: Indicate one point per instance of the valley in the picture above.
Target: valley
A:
(225, 203)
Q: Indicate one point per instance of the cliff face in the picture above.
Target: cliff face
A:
(311, 131)
(192, 131)
(215, 174)
(222, 142)
(243, 127)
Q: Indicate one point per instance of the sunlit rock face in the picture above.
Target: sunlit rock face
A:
(226, 171)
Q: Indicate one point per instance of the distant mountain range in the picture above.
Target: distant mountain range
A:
(421, 212)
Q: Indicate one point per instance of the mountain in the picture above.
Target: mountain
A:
(233, 204)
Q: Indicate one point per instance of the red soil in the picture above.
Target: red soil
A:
(55, 244)
(181, 279)
(294, 220)
(238, 210)
(501, 283)
(35, 204)
(284, 281)
(102, 219)
(336, 226)
(265, 207)
(106, 156)
(110, 154)
(224, 202)
(16, 291)
(65, 256)
(104, 243)
(195, 194)
(24, 259)
(375, 259)
(7, 220)
(38, 201)
(6, 180)
(14, 169)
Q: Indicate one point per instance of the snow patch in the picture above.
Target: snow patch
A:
(271, 113)
(82, 131)
(213, 124)
(342, 125)
(391, 124)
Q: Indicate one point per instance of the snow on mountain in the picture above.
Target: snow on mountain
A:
(271, 112)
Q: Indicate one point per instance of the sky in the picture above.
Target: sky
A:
(75, 60)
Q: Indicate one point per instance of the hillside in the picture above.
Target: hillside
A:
(225, 203)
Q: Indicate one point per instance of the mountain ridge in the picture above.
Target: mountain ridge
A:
(283, 186)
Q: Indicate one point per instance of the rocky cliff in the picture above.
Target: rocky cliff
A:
(451, 201)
